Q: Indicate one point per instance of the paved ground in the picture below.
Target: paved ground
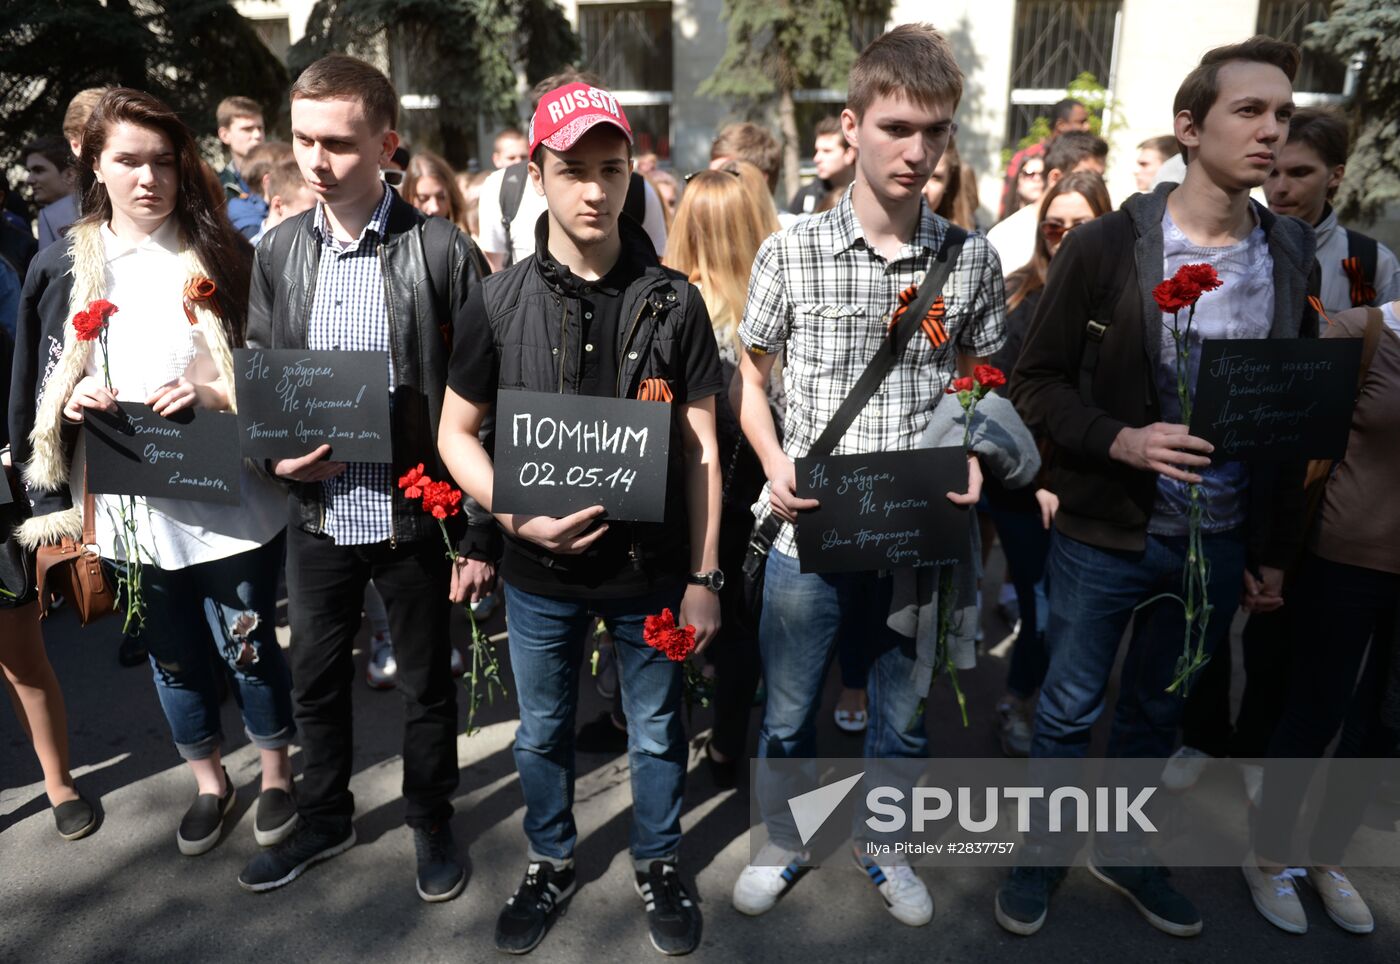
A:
(126, 894)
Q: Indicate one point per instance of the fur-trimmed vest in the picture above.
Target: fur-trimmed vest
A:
(45, 455)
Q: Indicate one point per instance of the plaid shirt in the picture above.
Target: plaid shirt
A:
(823, 297)
(348, 314)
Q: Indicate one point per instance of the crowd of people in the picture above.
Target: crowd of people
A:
(575, 267)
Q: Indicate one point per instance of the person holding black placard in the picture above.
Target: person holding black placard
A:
(594, 313)
(823, 296)
(155, 234)
(1099, 376)
(1346, 594)
(364, 271)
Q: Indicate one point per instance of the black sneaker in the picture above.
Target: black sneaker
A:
(204, 821)
(671, 914)
(131, 651)
(1147, 887)
(276, 817)
(285, 862)
(531, 910)
(75, 819)
(1024, 900)
(602, 735)
(440, 875)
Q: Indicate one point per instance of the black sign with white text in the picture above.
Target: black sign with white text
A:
(556, 454)
(883, 510)
(291, 402)
(192, 455)
(1276, 398)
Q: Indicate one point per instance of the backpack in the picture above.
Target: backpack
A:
(513, 190)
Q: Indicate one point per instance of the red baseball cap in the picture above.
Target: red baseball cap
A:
(566, 114)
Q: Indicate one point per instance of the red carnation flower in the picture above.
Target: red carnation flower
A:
(1201, 276)
(960, 385)
(102, 309)
(441, 499)
(412, 482)
(661, 633)
(87, 327)
(989, 376)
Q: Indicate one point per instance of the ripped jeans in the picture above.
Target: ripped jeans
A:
(192, 633)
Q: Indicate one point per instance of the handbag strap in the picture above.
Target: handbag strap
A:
(893, 346)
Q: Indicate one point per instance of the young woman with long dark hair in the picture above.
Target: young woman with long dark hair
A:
(155, 243)
(1022, 517)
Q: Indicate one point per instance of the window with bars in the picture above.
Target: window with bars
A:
(1286, 20)
(1056, 41)
(629, 47)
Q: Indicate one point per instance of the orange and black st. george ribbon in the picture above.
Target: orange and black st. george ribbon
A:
(932, 323)
(1362, 294)
(654, 390)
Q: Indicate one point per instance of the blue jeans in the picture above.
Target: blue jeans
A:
(803, 616)
(1093, 595)
(189, 609)
(547, 637)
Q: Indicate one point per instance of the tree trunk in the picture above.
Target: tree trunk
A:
(787, 123)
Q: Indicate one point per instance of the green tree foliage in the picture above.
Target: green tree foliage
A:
(465, 52)
(1368, 29)
(189, 53)
(778, 46)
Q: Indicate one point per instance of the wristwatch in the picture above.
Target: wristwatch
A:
(712, 580)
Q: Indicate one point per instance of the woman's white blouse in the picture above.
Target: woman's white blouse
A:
(150, 342)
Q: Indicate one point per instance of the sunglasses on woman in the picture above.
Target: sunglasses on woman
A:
(1053, 229)
(392, 177)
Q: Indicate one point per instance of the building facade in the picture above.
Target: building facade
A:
(1018, 57)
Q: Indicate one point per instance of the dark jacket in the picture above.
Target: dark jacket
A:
(539, 342)
(429, 268)
(1102, 501)
(38, 347)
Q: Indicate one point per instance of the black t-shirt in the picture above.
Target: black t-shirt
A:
(610, 568)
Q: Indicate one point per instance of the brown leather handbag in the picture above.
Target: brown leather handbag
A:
(73, 569)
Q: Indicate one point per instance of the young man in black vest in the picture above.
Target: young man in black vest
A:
(1098, 375)
(594, 313)
(363, 270)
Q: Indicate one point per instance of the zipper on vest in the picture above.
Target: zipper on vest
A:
(622, 352)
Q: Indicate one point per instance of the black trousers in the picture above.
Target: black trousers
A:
(1268, 642)
(734, 652)
(326, 586)
(1341, 608)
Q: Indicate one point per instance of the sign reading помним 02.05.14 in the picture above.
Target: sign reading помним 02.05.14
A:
(556, 454)
(883, 510)
(1276, 398)
(291, 402)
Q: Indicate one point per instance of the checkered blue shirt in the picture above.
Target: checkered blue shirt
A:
(822, 297)
(349, 314)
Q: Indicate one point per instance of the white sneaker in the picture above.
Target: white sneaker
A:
(459, 665)
(1184, 768)
(382, 668)
(1344, 905)
(484, 607)
(1253, 776)
(773, 873)
(1275, 896)
(904, 894)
